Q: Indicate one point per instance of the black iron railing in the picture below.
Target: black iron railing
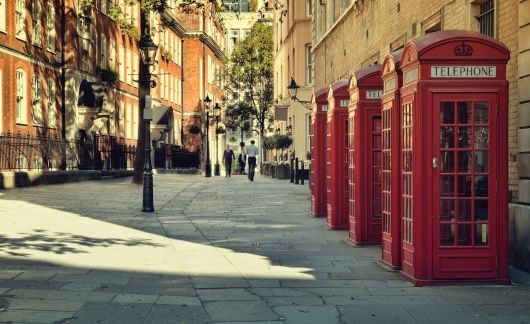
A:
(98, 152)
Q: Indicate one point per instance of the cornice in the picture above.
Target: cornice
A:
(171, 20)
(206, 39)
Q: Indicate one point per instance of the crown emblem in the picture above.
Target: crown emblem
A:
(463, 50)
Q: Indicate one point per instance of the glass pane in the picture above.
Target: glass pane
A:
(464, 234)
(481, 234)
(464, 137)
(481, 161)
(464, 210)
(447, 234)
(482, 137)
(447, 137)
(447, 210)
(447, 163)
(481, 210)
(481, 186)
(447, 186)
(481, 112)
(447, 113)
(464, 186)
(464, 161)
(464, 112)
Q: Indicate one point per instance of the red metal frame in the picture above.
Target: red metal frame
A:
(391, 172)
(318, 153)
(440, 70)
(336, 159)
(366, 89)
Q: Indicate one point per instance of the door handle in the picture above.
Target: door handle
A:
(434, 162)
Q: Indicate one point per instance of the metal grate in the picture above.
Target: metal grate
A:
(486, 18)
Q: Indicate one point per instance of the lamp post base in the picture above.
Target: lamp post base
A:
(217, 169)
(148, 193)
(208, 169)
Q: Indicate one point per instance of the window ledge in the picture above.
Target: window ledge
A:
(22, 122)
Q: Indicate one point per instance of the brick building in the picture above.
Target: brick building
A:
(352, 34)
(75, 71)
(30, 70)
(293, 59)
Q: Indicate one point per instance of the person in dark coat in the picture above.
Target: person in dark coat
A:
(228, 157)
(242, 161)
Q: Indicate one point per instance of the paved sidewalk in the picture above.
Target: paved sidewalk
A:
(217, 250)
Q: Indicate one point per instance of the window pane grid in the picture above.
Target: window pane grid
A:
(386, 171)
(464, 174)
(407, 172)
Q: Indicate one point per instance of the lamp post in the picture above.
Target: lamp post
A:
(217, 115)
(293, 92)
(148, 53)
(208, 164)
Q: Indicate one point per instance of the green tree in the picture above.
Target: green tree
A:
(248, 76)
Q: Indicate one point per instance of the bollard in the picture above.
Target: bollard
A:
(291, 170)
(302, 173)
(296, 173)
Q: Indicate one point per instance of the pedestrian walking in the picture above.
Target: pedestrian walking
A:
(228, 157)
(241, 160)
(252, 152)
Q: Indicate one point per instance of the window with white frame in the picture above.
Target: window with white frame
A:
(121, 120)
(171, 87)
(309, 64)
(3, 15)
(21, 100)
(112, 54)
(52, 112)
(128, 121)
(36, 100)
(103, 51)
(36, 22)
(308, 8)
(51, 26)
(85, 53)
(331, 13)
(128, 68)
(135, 65)
(121, 63)
(20, 19)
(135, 122)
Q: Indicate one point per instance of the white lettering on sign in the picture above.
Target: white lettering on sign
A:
(324, 107)
(344, 103)
(390, 85)
(411, 75)
(458, 71)
(374, 94)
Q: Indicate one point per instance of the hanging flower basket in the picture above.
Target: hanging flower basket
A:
(195, 130)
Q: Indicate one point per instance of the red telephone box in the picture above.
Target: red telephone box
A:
(336, 155)
(391, 172)
(364, 160)
(318, 153)
(454, 138)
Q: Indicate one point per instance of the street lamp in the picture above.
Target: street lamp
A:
(217, 115)
(208, 165)
(148, 52)
(293, 91)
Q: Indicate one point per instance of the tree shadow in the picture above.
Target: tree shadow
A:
(61, 243)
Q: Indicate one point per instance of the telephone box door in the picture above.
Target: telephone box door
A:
(374, 222)
(465, 225)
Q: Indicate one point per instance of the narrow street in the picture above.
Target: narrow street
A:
(217, 250)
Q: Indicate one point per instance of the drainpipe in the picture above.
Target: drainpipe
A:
(63, 72)
(182, 91)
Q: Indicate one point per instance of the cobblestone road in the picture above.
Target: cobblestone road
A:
(217, 250)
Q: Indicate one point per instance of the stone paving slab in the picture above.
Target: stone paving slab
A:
(215, 251)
